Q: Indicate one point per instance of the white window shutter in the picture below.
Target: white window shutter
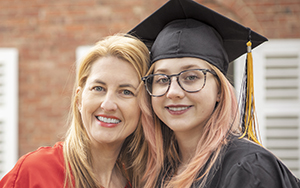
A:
(277, 95)
(8, 109)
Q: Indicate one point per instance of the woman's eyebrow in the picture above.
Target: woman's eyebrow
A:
(127, 85)
(160, 71)
(98, 81)
(121, 85)
(165, 70)
(189, 66)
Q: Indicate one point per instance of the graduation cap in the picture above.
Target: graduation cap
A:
(233, 35)
(185, 28)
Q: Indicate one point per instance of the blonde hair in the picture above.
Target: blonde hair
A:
(223, 121)
(76, 150)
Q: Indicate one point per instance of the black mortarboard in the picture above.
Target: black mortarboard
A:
(184, 27)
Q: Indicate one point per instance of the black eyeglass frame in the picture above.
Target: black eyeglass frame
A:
(204, 71)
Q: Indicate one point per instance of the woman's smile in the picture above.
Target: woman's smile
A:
(108, 119)
(178, 109)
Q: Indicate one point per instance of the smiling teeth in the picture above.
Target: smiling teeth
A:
(177, 108)
(108, 120)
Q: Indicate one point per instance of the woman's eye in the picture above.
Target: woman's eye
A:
(98, 88)
(191, 78)
(127, 92)
(162, 80)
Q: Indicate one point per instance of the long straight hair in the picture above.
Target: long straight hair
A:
(77, 152)
(223, 121)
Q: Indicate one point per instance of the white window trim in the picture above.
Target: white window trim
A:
(9, 109)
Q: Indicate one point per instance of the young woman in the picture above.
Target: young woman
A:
(200, 140)
(105, 145)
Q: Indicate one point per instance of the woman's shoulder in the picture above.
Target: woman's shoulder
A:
(43, 157)
(243, 152)
(45, 153)
(32, 167)
(239, 148)
(246, 164)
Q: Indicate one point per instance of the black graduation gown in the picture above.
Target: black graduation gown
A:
(244, 164)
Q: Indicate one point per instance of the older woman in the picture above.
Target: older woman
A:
(104, 146)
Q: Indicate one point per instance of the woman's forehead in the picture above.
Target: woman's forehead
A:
(167, 65)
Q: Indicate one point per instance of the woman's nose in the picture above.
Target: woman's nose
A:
(109, 103)
(175, 91)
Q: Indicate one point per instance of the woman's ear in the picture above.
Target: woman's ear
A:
(218, 96)
(78, 98)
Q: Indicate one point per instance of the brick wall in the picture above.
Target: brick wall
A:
(47, 33)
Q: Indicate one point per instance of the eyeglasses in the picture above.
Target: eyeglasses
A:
(191, 81)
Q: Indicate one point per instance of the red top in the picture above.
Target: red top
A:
(41, 168)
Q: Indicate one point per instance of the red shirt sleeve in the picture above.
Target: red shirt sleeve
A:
(41, 168)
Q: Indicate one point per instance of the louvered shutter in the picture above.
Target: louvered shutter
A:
(277, 83)
(8, 109)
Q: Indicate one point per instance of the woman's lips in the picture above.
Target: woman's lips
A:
(177, 109)
(108, 121)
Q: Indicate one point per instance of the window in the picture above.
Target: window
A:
(8, 109)
(81, 51)
(277, 95)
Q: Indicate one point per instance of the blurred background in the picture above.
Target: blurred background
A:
(40, 41)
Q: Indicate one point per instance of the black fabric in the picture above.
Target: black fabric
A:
(190, 38)
(233, 35)
(245, 164)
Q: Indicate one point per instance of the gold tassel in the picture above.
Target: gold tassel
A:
(249, 114)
